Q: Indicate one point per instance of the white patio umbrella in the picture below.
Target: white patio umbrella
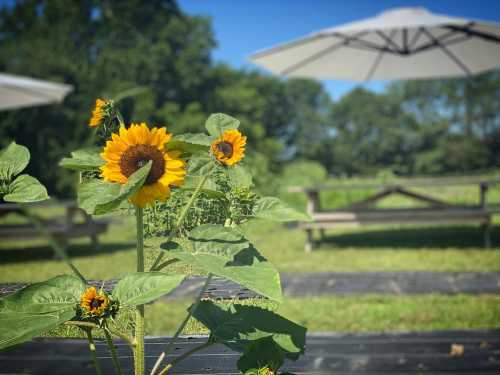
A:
(18, 92)
(402, 43)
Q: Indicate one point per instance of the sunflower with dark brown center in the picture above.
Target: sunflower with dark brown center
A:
(94, 302)
(132, 149)
(229, 148)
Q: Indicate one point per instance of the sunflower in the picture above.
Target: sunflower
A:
(229, 148)
(131, 149)
(98, 113)
(94, 302)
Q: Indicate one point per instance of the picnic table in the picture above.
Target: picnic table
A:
(363, 212)
(61, 228)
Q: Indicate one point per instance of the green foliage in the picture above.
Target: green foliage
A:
(140, 288)
(87, 159)
(252, 330)
(13, 160)
(97, 197)
(218, 123)
(272, 208)
(38, 308)
(226, 252)
(24, 188)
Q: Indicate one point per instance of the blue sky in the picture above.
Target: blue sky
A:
(244, 26)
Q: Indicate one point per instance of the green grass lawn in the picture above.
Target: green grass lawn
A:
(387, 248)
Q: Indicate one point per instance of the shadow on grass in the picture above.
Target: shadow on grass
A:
(43, 252)
(458, 237)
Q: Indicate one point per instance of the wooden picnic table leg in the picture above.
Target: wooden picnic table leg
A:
(309, 241)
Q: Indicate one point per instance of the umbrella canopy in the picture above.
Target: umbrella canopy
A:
(18, 92)
(402, 43)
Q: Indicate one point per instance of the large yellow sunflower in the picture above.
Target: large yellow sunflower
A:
(98, 113)
(94, 302)
(131, 149)
(229, 148)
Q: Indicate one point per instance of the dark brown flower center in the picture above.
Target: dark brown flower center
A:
(226, 148)
(136, 157)
(96, 303)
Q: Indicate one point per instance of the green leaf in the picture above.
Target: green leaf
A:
(210, 187)
(190, 143)
(87, 159)
(226, 252)
(26, 189)
(218, 123)
(238, 326)
(239, 176)
(261, 354)
(97, 197)
(199, 165)
(38, 308)
(143, 287)
(272, 208)
(13, 160)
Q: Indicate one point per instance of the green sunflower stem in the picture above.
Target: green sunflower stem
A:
(139, 312)
(180, 220)
(92, 349)
(112, 350)
(184, 356)
(181, 328)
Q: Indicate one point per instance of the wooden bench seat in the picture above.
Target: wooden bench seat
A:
(61, 229)
(363, 212)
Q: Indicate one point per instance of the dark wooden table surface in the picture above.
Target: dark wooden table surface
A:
(381, 354)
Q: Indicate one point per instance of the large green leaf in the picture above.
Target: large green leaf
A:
(261, 354)
(238, 326)
(218, 123)
(272, 208)
(189, 143)
(142, 287)
(25, 189)
(97, 197)
(87, 159)
(226, 252)
(199, 165)
(13, 160)
(52, 295)
(239, 176)
(38, 308)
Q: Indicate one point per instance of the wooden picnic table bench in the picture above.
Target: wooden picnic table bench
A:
(363, 212)
(61, 228)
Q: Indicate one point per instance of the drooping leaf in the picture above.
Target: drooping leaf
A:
(187, 149)
(199, 139)
(13, 160)
(218, 123)
(261, 354)
(97, 197)
(239, 176)
(38, 308)
(272, 208)
(199, 165)
(142, 287)
(26, 189)
(44, 297)
(87, 159)
(238, 326)
(209, 187)
(226, 252)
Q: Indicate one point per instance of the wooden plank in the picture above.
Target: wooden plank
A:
(408, 353)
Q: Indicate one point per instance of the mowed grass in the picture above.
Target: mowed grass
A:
(384, 248)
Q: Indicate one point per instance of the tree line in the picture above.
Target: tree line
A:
(104, 48)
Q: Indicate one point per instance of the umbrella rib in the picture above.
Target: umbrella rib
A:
(479, 34)
(318, 55)
(388, 40)
(376, 63)
(452, 56)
